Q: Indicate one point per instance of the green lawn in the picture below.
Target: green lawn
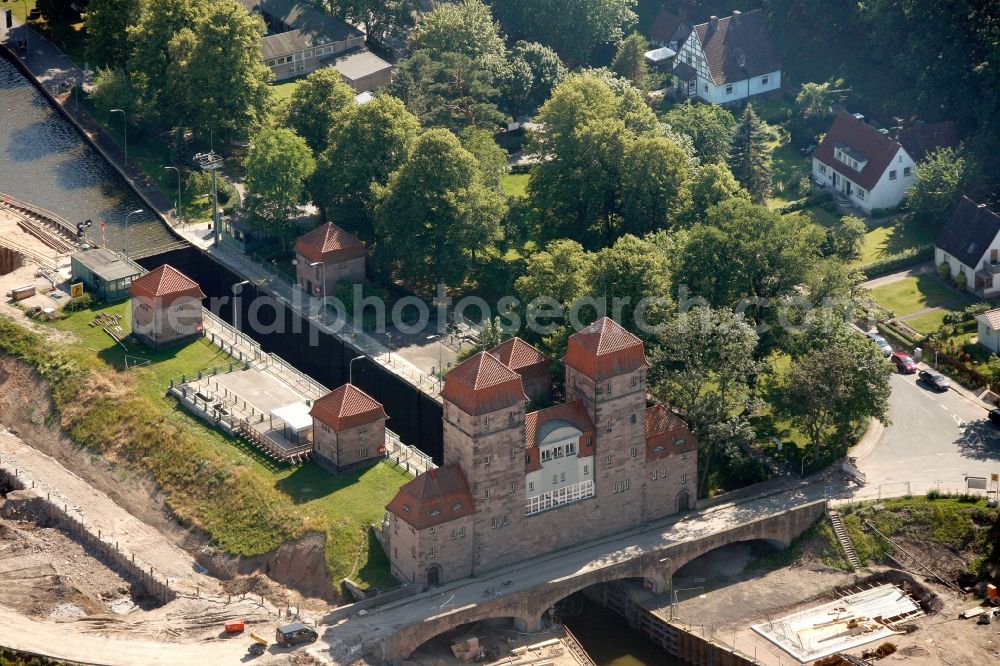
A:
(515, 184)
(915, 293)
(788, 167)
(282, 91)
(817, 215)
(293, 499)
(893, 237)
(20, 8)
(927, 323)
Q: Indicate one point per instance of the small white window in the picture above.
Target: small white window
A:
(729, 89)
(486, 495)
(433, 530)
(892, 174)
(609, 460)
(513, 486)
(363, 452)
(494, 523)
(635, 380)
(764, 80)
(654, 475)
(461, 533)
(531, 486)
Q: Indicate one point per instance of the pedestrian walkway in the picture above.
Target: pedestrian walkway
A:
(920, 269)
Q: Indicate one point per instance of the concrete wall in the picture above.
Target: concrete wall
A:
(528, 606)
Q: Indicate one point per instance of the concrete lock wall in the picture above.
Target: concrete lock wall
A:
(32, 504)
(528, 607)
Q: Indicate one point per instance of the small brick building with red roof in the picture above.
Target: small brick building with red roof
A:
(600, 463)
(330, 254)
(166, 308)
(531, 364)
(348, 429)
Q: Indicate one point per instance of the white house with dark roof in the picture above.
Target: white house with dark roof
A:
(727, 60)
(301, 39)
(970, 244)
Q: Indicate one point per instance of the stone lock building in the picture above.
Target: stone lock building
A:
(327, 255)
(166, 308)
(515, 485)
(348, 429)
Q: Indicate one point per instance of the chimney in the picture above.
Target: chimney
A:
(713, 22)
(883, 131)
(860, 117)
(736, 14)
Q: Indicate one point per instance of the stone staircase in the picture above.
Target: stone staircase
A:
(845, 540)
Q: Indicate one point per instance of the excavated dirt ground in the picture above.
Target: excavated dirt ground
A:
(27, 411)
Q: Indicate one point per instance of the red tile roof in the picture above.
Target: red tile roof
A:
(574, 413)
(347, 407)
(518, 355)
(854, 133)
(165, 282)
(737, 47)
(328, 242)
(482, 384)
(924, 138)
(604, 349)
(666, 434)
(434, 497)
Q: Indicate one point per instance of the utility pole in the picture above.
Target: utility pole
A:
(211, 162)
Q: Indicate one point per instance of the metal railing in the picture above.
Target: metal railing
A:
(412, 459)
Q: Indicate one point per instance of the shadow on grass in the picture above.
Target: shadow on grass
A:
(376, 572)
(309, 482)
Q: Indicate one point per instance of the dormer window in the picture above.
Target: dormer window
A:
(406, 508)
(457, 507)
(679, 442)
(435, 512)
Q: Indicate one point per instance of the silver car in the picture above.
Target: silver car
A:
(881, 342)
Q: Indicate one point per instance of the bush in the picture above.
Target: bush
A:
(897, 262)
(961, 281)
(113, 90)
(79, 303)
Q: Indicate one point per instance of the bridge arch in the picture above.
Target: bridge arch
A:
(654, 564)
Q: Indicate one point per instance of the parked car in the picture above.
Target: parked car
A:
(994, 417)
(880, 341)
(903, 362)
(293, 634)
(935, 380)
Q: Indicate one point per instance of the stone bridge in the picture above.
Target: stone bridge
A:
(654, 560)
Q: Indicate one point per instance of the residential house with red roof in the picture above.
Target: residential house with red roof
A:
(726, 60)
(325, 256)
(864, 164)
(348, 429)
(166, 308)
(518, 484)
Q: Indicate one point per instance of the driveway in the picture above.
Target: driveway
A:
(933, 437)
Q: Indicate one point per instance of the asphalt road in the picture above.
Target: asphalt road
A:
(933, 437)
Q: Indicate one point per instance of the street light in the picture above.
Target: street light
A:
(211, 162)
(670, 578)
(350, 369)
(440, 365)
(236, 309)
(180, 215)
(316, 264)
(124, 134)
(137, 210)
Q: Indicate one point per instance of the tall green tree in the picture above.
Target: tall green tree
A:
(277, 168)
(656, 185)
(367, 142)
(107, 23)
(630, 61)
(491, 157)
(710, 127)
(220, 82)
(436, 217)
(573, 28)
(852, 388)
(703, 364)
(942, 176)
(559, 271)
(447, 90)
(314, 104)
(847, 239)
(525, 79)
(713, 184)
(750, 156)
(149, 39)
(465, 27)
(749, 257)
(633, 275)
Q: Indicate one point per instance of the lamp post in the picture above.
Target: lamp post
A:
(236, 307)
(137, 210)
(124, 134)
(180, 215)
(320, 264)
(350, 369)
(670, 579)
(440, 368)
(211, 162)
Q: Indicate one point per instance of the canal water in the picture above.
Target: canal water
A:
(609, 640)
(45, 161)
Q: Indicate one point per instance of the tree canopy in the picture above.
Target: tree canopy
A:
(630, 61)
(465, 27)
(750, 156)
(107, 23)
(314, 105)
(942, 176)
(277, 168)
(436, 218)
(709, 126)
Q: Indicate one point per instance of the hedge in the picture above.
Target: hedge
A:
(898, 262)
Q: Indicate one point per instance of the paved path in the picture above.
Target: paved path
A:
(921, 269)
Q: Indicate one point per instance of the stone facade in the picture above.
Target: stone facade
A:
(338, 450)
(311, 278)
(644, 461)
(166, 308)
(328, 255)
